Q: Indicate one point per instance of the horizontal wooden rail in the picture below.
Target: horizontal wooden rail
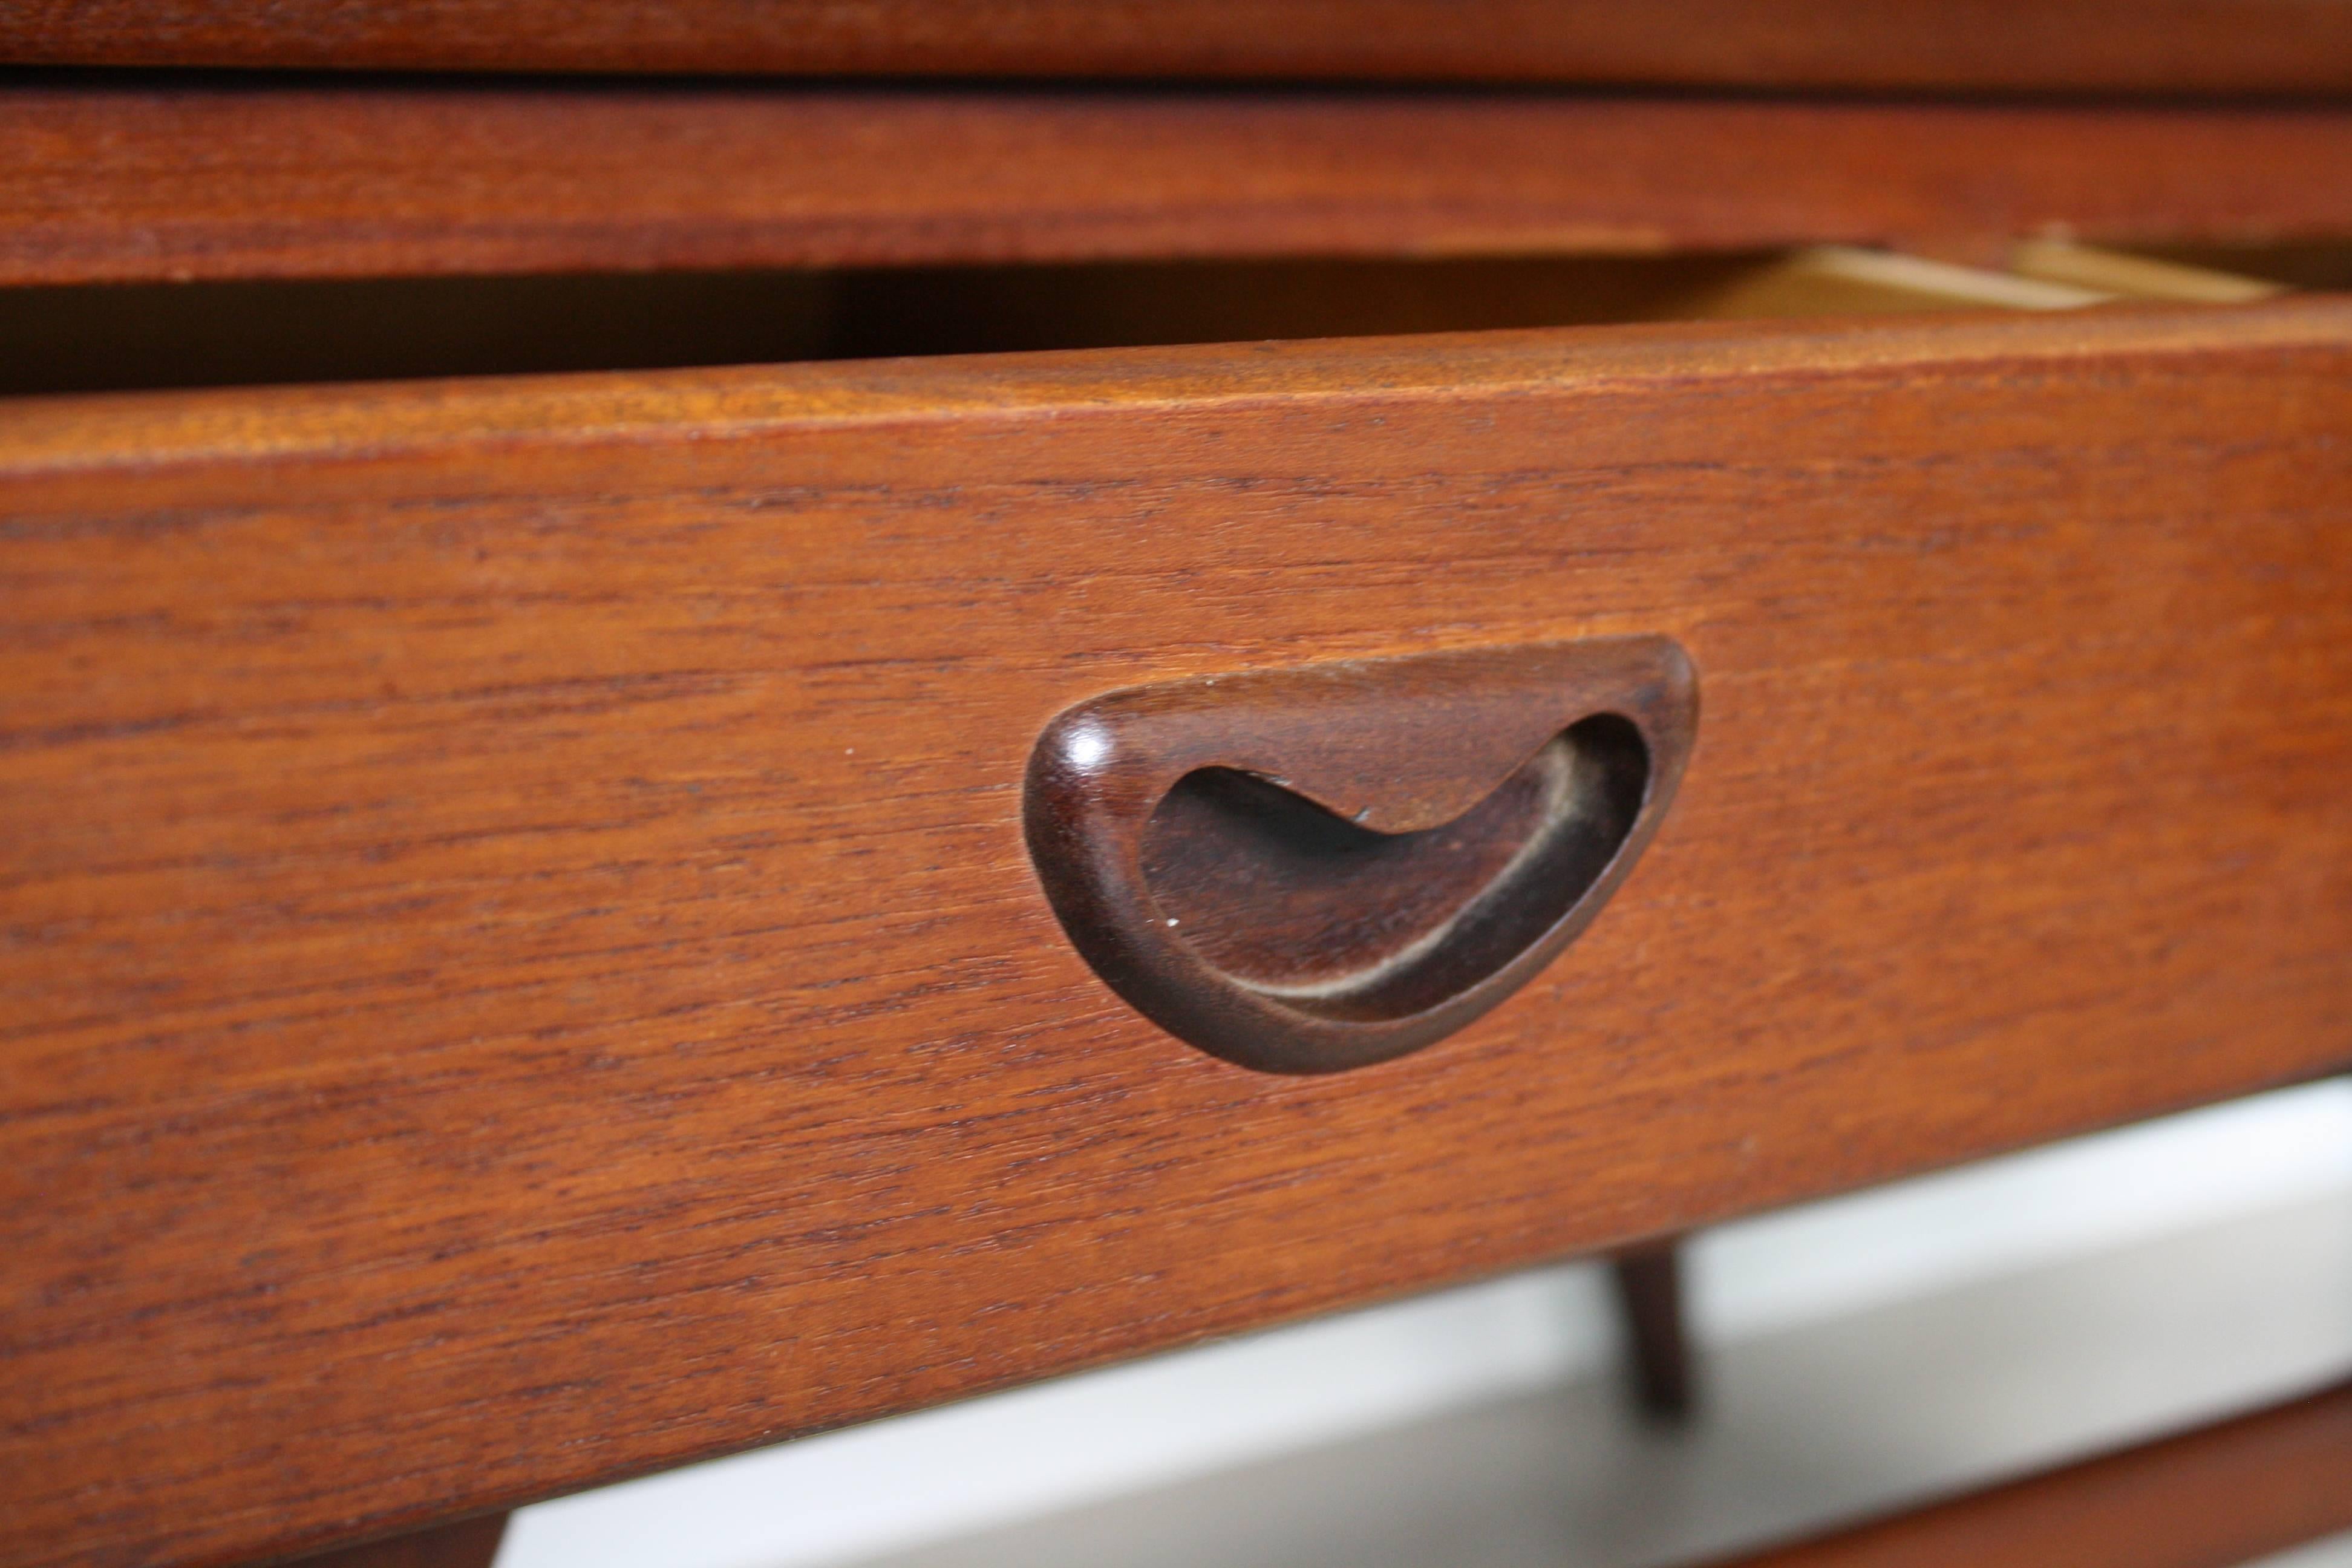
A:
(2213, 1498)
(2167, 46)
(167, 182)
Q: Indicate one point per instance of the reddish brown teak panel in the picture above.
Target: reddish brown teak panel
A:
(523, 967)
(2147, 46)
(159, 181)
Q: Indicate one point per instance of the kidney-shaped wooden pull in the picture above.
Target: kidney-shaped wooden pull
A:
(1308, 870)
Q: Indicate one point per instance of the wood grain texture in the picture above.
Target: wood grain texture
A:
(523, 967)
(2131, 45)
(2214, 1497)
(152, 182)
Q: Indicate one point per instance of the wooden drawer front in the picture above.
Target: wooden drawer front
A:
(523, 967)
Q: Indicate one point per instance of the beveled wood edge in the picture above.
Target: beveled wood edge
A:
(2210, 1498)
(159, 430)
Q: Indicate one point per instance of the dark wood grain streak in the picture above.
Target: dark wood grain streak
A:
(157, 181)
(2214, 1497)
(2159, 46)
(522, 966)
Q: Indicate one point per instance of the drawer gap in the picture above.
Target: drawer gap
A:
(121, 337)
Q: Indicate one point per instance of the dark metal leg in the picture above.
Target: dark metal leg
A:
(1650, 1299)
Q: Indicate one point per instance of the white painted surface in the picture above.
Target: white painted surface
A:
(1803, 1429)
(2336, 1551)
(2002, 1215)
(964, 1470)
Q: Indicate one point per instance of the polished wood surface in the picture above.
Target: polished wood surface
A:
(2132, 45)
(2215, 1498)
(524, 968)
(156, 180)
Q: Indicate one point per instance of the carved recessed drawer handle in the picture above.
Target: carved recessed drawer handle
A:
(1310, 870)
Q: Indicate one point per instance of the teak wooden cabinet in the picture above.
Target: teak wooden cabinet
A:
(523, 962)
